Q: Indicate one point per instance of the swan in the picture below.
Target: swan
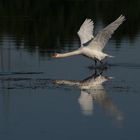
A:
(92, 47)
(93, 91)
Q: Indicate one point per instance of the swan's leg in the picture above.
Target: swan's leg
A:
(95, 62)
(103, 65)
(101, 72)
(101, 62)
(95, 72)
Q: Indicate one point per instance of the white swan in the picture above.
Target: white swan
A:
(92, 90)
(91, 46)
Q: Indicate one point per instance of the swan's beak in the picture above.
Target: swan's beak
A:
(55, 82)
(54, 55)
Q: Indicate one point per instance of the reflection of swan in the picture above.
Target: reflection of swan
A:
(94, 45)
(92, 90)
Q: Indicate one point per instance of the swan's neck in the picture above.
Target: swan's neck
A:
(67, 82)
(68, 54)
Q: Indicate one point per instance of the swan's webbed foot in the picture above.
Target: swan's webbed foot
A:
(101, 62)
(103, 65)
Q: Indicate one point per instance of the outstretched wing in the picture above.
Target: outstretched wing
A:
(85, 32)
(105, 34)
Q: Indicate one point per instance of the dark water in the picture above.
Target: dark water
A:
(44, 98)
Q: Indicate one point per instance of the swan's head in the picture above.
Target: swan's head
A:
(56, 55)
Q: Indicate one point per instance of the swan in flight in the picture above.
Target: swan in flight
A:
(93, 91)
(92, 47)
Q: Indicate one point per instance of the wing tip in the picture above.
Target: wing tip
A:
(88, 20)
(122, 17)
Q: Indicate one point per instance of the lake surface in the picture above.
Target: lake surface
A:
(64, 99)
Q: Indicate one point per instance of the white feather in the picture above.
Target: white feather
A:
(94, 48)
(104, 35)
(86, 31)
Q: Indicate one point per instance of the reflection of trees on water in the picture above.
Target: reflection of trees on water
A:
(47, 24)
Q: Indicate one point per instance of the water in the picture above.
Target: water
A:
(45, 98)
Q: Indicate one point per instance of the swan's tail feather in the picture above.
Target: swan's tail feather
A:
(110, 56)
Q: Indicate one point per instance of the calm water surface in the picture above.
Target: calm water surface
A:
(44, 98)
